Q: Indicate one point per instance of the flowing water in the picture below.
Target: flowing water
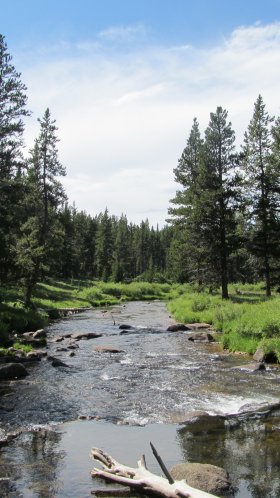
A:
(139, 394)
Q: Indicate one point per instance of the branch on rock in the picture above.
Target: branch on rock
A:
(141, 479)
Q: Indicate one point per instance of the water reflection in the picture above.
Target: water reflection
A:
(33, 461)
(250, 451)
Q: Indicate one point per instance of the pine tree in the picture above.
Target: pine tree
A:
(186, 248)
(122, 253)
(204, 212)
(262, 186)
(104, 246)
(42, 232)
(12, 111)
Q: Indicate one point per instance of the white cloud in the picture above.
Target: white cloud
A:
(123, 119)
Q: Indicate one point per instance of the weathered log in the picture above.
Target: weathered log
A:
(142, 479)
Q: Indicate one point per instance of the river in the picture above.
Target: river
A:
(132, 397)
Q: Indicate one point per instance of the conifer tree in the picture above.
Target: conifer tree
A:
(262, 186)
(104, 246)
(13, 102)
(204, 211)
(42, 230)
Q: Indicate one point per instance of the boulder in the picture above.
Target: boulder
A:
(33, 356)
(11, 371)
(261, 356)
(201, 337)
(177, 327)
(206, 477)
(123, 326)
(107, 349)
(39, 333)
(38, 353)
(85, 335)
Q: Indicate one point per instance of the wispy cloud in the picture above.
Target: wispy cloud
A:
(123, 33)
(132, 111)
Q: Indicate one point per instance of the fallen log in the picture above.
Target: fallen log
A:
(141, 479)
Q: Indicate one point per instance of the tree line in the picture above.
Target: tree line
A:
(223, 222)
(41, 235)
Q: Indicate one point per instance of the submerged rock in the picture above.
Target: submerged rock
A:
(107, 349)
(11, 371)
(85, 335)
(250, 367)
(206, 477)
(56, 362)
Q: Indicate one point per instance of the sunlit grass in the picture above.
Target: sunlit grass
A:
(248, 319)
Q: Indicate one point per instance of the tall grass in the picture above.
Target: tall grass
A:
(248, 321)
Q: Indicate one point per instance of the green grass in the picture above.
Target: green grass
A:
(248, 320)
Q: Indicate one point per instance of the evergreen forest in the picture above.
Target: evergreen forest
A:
(223, 223)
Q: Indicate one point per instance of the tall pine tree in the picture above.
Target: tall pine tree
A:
(13, 102)
(262, 186)
(41, 230)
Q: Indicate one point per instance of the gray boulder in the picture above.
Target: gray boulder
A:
(11, 371)
(203, 476)
(39, 333)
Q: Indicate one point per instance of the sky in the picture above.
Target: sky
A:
(124, 79)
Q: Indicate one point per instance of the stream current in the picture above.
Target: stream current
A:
(140, 394)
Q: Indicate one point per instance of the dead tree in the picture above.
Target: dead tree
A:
(141, 479)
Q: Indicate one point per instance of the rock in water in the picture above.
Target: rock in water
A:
(12, 371)
(206, 477)
(177, 327)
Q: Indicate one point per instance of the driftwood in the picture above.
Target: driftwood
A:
(141, 479)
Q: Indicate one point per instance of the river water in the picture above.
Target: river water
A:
(135, 396)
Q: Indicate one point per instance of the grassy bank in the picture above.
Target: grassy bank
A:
(248, 320)
(56, 295)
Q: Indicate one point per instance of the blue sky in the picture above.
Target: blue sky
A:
(124, 80)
